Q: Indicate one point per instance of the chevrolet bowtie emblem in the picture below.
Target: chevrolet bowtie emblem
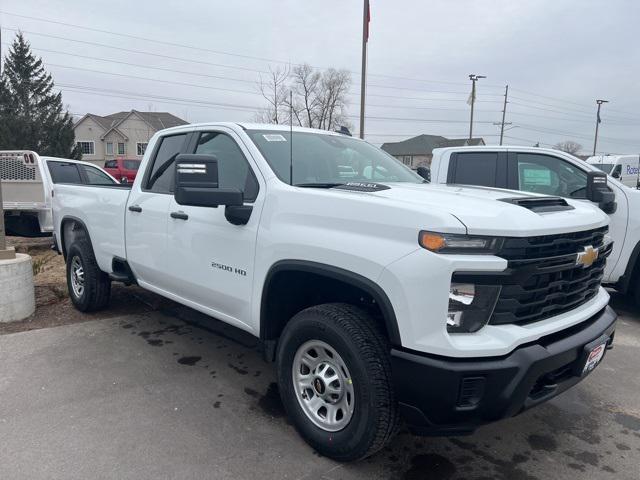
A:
(587, 256)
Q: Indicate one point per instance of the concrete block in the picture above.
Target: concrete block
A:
(17, 297)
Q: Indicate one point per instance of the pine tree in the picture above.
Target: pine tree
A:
(32, 116)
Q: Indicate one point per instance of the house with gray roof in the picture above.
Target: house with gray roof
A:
(120, 134)
(418, 151)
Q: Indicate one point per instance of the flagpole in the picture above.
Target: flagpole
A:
(595, 140)
(363, 76)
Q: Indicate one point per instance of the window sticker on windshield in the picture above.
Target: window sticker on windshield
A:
(274, 137)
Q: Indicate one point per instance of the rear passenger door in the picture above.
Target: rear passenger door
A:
(147, 214)
(487, 169)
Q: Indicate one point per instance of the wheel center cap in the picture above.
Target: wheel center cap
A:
(319, 386)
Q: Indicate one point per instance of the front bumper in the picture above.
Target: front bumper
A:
(443, 395)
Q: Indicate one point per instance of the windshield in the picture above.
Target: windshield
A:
(328, 159)
(605, 167)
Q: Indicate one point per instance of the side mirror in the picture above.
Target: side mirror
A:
(196, 183)
(598, 192)
(424, 172)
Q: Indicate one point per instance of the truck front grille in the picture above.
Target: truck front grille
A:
(542, 278)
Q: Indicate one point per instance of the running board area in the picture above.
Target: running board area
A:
(121, 272)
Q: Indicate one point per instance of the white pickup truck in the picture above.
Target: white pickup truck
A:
(378, 296)
(552, 172)
(27, 186)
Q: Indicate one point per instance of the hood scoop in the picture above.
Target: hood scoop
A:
(540, 204)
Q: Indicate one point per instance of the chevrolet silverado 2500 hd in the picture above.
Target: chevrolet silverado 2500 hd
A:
(378, 296)
(552, 172)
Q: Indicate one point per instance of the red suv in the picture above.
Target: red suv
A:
(123, 169)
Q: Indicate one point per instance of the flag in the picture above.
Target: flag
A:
(368, 20)
(472, 97)
(599, 119)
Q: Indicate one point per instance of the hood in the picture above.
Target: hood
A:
(483, 211)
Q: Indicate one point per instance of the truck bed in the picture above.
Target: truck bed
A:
(102, 210)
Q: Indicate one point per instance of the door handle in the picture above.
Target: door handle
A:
(179, 216)
(135, 208)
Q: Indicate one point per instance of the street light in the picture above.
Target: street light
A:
(472, 99)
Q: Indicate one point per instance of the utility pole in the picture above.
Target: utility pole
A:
(472, 99)
(598, 121)
(366, 17)
(504, 112)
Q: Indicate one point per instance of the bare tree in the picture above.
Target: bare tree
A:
(568, 146)
(334, 86)
(306, 85)
(319, 98)
(274, 89)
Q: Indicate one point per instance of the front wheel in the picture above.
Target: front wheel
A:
(89, 287)
(334, 378)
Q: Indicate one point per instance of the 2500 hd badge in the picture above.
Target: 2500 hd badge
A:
(229, 269)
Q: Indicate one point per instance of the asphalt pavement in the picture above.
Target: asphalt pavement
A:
(176, 395)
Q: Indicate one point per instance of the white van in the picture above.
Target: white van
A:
(626, 168)
(27, 188)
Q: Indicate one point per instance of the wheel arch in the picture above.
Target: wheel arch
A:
(71, 228)
(271, 323)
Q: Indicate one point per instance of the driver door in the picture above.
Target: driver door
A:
(210, 261)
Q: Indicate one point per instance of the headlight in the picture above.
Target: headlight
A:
(470, 306)
(458, 243)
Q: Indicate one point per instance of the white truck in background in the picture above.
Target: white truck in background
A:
(557, 173)
(624, 168)
(27, 186)
(378, 295)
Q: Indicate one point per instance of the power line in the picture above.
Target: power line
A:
(209, 50)
(220, 77)
(125, 75)
(562, 100)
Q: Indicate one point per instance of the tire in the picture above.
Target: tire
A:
(96, 285)
(364, 351)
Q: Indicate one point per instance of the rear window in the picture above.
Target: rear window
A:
(64, 172)
(475, 169)
(131, 164)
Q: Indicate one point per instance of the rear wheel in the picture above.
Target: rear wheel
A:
(89, 287)
(334, 378)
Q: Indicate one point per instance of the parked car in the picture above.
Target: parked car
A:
(556, 173)
(124, 169)
(27, 184)
(377, 299)
(625, 168)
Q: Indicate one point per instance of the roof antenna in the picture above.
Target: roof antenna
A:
(291, 137)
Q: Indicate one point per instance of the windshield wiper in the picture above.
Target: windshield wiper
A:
(319, 185)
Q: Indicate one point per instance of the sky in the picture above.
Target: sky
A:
(201, 60)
